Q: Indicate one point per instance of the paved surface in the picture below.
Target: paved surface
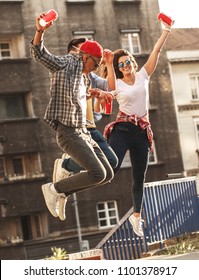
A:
(188, 256)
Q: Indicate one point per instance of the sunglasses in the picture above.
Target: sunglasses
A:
(97, 65)
(121, 64)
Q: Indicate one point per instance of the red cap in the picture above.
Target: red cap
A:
(93, 48)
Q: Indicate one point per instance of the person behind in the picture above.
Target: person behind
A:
(132, 129)
(66, 114)
(65, 166)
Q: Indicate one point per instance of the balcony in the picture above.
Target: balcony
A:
(19, 136)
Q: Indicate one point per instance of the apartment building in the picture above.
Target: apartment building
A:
(27, 144)
(183, 58)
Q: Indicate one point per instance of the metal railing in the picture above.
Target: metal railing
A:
(170, 209)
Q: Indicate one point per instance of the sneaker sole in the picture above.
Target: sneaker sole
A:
(44, 193)
(62, 209)
(55, 172)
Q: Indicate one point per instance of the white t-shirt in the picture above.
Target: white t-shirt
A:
(134, 99)
(82, 96)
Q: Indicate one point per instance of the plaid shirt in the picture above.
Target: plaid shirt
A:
(65, 76)
(143, 123)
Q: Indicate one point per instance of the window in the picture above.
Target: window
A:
(153, 155)
(196, 124)
(13, 106)
(107, 214)
(130, 41)
(31, 227)
(194, 81)
(79, 1)
(14, 167)
(88, 34)
(22, 228)
(20, 167)
(2, 169)
(126, 161)
(5, 51)
(3, 208)
(197, 128)
(127, 1)
(12, 47)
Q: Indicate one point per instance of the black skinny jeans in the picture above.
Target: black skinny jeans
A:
(127, 136)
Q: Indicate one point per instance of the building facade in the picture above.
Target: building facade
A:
(183, 58)
(27, 144)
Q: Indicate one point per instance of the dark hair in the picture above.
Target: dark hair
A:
(117, 54)
(75, 42)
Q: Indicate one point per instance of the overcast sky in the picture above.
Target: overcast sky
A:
(184, 12)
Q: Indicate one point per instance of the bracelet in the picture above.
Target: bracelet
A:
(39, 31)
(167, 29)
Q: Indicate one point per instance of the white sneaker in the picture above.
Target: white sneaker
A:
(136, 225)
(62, 207)
(51, 199)
(59, 173)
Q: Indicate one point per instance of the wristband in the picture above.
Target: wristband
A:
(39, 31)
(167, 29)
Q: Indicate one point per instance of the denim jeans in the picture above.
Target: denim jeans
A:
(70, 165)
(78, 143)
(127, 136)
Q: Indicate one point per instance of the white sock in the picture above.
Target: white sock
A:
(52, 188)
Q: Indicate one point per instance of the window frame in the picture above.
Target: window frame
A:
(130, 47)
(153, 154)
(80, 1)
(196, 126)
(23, 103)
(126, 1)
(36, 226)
(126, 161)
(107, 217)
(4, 173)
(32, 226)
(9, 49)
(16, 45)
(90, 34)
(194, 86)
(21, 158)
(31, 163)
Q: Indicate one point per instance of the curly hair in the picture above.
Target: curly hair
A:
(117, 54)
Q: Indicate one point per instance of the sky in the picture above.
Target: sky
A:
(184, 12)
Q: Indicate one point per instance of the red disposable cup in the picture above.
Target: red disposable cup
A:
(108, 108)
(51, 15)
(165, 18)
